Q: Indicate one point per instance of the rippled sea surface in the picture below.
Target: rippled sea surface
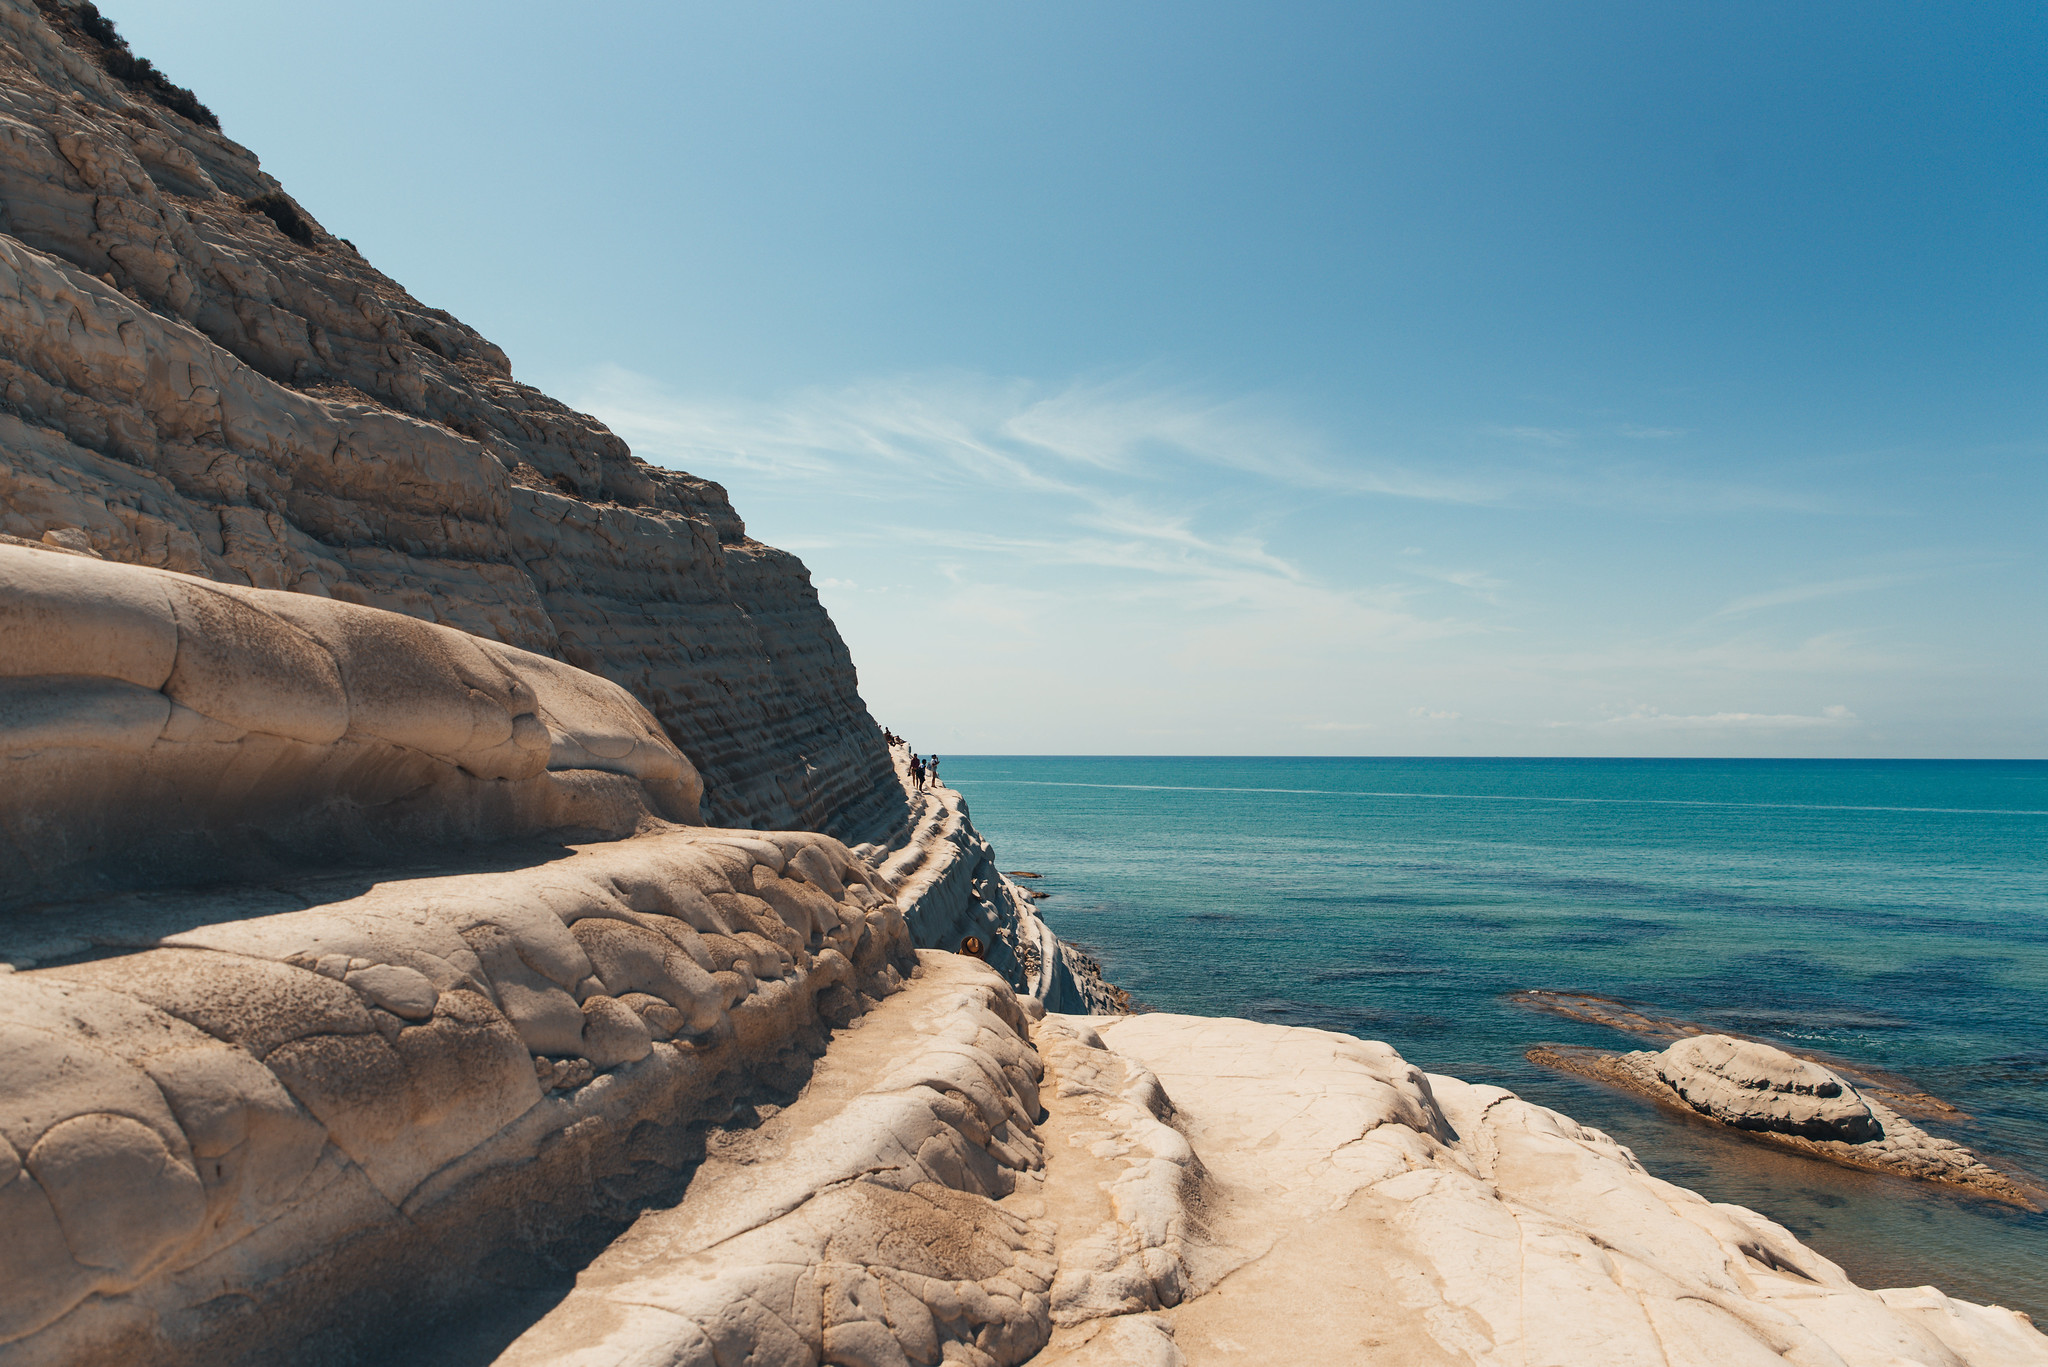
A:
(1889, 913)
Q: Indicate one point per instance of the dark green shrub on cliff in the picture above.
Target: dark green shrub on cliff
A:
(284, 214)
(123, 65)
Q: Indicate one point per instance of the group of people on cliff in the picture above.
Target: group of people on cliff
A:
(924, 773)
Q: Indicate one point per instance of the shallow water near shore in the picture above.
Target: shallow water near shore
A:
(1893, 914)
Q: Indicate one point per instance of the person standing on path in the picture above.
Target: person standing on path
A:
(934, 768)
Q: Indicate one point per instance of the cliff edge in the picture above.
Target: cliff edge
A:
(196, 375)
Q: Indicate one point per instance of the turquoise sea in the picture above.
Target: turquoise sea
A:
(1892, 914)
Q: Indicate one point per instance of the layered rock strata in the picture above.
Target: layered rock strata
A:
(952, 892)
(195, 375)
(355, 957)
(1794, 1103)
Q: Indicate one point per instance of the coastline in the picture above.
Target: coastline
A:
(1400, 927)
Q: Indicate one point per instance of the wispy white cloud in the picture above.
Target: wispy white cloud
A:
(1642, 718)
(1635, 433)
(1131, 556)
(960, 429)
(1480, 584)
(1031, 437)
(1845, 653)
(1806, 593)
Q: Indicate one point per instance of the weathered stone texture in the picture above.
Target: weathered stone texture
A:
(220, 1149)
(160, 729)
(185, 385)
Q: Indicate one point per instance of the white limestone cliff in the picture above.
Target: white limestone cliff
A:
(367, 960)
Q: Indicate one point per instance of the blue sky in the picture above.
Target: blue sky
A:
(1196, 378)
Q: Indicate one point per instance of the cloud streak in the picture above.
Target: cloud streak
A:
(1640, 718)
(1056, 439)
(1806, 593)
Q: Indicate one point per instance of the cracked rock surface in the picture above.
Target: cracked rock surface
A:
(1351, 1208)
(222, 1148)
(885, 1218)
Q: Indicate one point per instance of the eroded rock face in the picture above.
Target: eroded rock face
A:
(192, 383)
(160, 728)
(894, 1225)
(950, 889)
(1753, 1086)
(215, 1148)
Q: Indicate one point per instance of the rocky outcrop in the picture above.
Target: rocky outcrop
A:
(161, 729)
(1154, 1191)
(214, 1149)
(1755, 1087)
(887, 1228)
(196, 376)
(955, 898)
(1160, 1190)
(351, 956)
(1326, 1201)
(1778, 1098)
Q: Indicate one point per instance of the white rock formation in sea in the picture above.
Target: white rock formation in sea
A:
(1796, 1103)
(367, 960)
(1753, 1086)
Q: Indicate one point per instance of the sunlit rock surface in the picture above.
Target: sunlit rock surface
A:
(160, 728)
(366, 973)
(1753, 1086)
(1266, 1194)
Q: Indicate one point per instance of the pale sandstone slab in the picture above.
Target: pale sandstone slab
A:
(374, 1095)
(155, 725)
(1381, 1214)
(1795, 1103)
(1753, 1086)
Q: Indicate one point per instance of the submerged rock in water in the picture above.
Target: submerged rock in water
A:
(1795, 1103)
(1753, 1086)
